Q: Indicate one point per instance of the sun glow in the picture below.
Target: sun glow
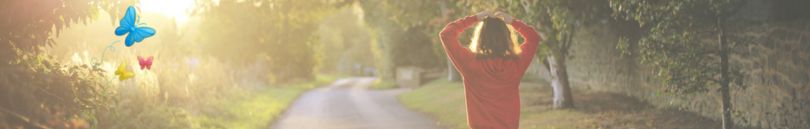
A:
(177, 9)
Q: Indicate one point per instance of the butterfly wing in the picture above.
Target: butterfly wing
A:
(139, 34)
(126, 76)
(121, 30)
(128, 21)
(141, 62)
(129, 41)
(143, 33)
(121, 69)
(122, 72)
(148, 62)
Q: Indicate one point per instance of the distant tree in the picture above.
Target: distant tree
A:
(677, 43)
(284, 34)
(345, 39)
(406, 35)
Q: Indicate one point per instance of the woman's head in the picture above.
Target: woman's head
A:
(493, 38)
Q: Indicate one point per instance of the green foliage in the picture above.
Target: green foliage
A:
(62, 94)
(406, 32)
(41, 91)
(29, 32)
(345, 40)
(677, 39)
(409, 13)
(142, 113)
(38, 91)
(558, 20)
(412, 47)
(283, 35)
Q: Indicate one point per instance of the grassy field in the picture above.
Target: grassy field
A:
(257, 109)
(441, 99)
(445, 101)
(379, 84)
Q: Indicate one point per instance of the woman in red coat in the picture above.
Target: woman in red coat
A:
(492, 67)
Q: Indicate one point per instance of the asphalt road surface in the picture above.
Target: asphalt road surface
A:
(349, 104)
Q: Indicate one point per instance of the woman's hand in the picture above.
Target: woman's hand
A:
(505, 17)
(483, 14)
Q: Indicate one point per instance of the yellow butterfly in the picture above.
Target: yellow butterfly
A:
(122, 72)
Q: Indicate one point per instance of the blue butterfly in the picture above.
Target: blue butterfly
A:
(136, 32)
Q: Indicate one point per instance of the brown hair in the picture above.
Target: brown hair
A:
(493, 38)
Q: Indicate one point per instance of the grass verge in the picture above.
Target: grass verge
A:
(442, 99)
(256, 109)
(445, 101)
(380, 84)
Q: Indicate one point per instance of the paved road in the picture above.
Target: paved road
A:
(347, 104)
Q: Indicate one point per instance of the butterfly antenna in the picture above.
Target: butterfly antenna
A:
(110, 46)
(137, 14)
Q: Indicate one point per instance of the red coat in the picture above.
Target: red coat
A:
(490, 85)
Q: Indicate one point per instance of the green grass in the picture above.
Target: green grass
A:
(256, 109)
(555, 119)
(253, 111)
(444, 101)
(380, 84)
(441, 99)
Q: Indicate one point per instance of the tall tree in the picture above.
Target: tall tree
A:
(445, 11)
(678, 43)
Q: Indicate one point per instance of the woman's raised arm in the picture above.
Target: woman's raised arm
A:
(449, 37)
(530, 36)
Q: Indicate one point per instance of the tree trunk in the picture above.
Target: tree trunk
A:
(559, 81)
(728, 123)
(452, 73)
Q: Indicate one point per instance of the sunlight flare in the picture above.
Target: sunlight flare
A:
(177, 9)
